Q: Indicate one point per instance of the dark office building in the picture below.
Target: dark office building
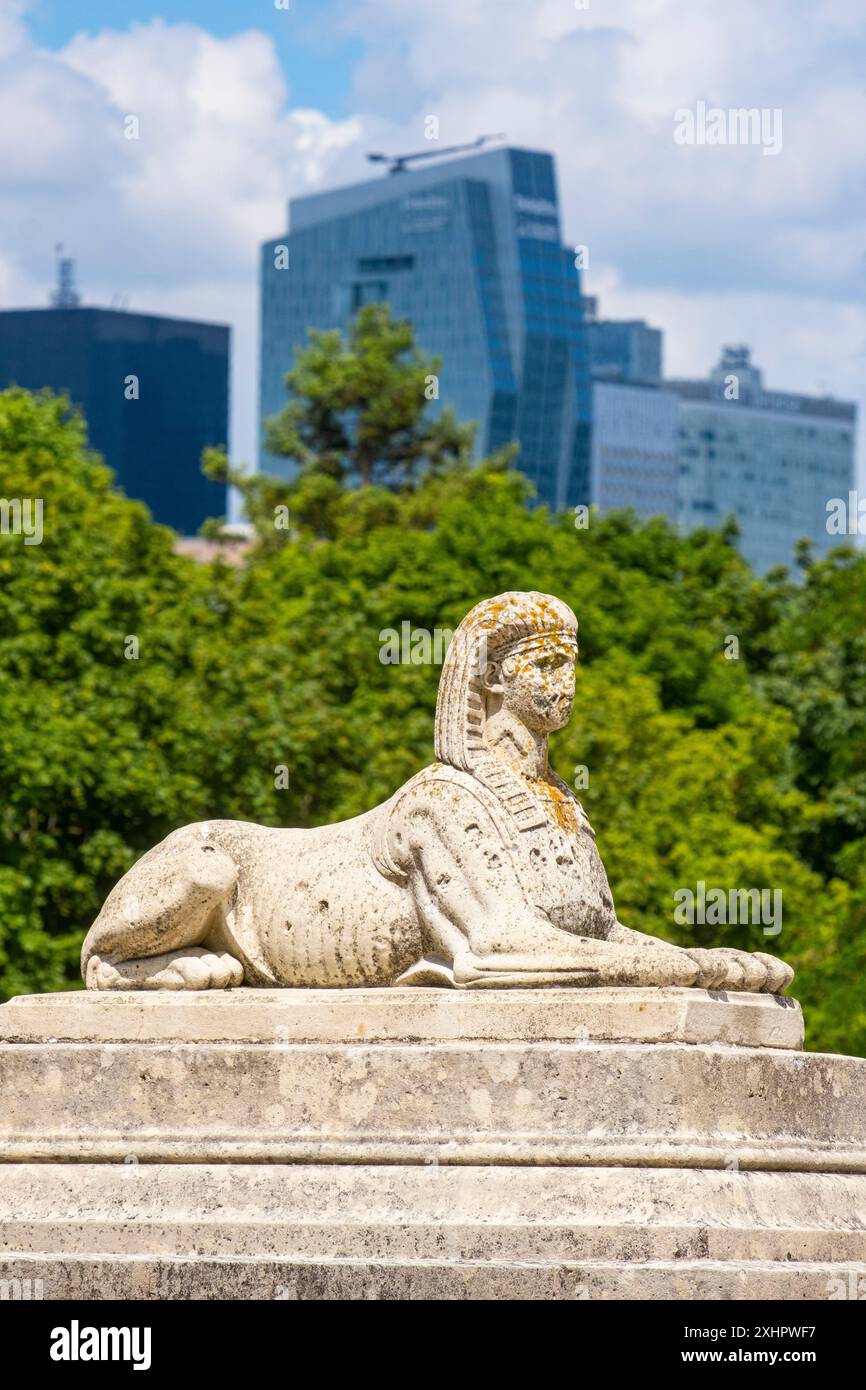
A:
(154, 392)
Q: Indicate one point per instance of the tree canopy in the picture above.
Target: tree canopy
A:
(358, 407)
(694, 765)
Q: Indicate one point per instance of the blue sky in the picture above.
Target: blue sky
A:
(243, 106)
(317, 58)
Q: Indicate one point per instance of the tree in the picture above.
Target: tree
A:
(360, 407)
(743, 772)
(360, 413)
(104, 636)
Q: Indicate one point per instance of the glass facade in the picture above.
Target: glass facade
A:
(634, 448)
(626, 350)
(771, 458)
(469, 250)
(153, 443)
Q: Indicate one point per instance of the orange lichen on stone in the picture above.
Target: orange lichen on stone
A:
(560, 807)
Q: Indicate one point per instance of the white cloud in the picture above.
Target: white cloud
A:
(13, 33)
(174, 218)
(712, 244)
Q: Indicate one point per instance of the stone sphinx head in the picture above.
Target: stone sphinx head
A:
(516, 653)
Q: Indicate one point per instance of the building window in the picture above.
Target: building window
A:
(371, 265)
(369, 292)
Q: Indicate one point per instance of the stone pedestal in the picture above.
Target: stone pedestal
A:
(413, 1143)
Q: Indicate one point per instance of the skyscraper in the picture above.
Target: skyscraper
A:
(634, 448)
(154, 392)
(470, 251)
(773, 459)
(623, 349)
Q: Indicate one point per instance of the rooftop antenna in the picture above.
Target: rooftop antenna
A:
(398, 162)
(65, 296)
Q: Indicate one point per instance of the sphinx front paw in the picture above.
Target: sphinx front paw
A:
(752, 972)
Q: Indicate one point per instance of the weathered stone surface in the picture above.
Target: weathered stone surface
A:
(481, 872)
(511, 1133)
(574, 1102)
(140, 1277)
(431, 1015)
(411, 1212)
(263, 1232)
(427, 1144)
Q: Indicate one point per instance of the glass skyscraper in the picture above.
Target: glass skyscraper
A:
(470, 251)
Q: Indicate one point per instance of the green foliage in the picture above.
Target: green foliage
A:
(359, 411)
(743, 773)
(359, 405)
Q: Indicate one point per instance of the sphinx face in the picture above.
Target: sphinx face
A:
(538, 685)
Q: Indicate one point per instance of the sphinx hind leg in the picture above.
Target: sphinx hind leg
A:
(153, 931)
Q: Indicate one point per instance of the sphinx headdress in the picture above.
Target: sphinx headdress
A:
(508, 624)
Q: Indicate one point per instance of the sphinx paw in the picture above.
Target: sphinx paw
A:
(751, 972)
(671, 966)
(200, 969)
(779, 973)
(192, 968)
(715, 970)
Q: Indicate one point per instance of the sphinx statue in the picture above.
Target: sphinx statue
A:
(481, 872)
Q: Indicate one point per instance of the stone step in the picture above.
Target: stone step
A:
(126, 1277)
(427, 1144)
(394, 1015)
(693, 1105)
(393, 1212)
